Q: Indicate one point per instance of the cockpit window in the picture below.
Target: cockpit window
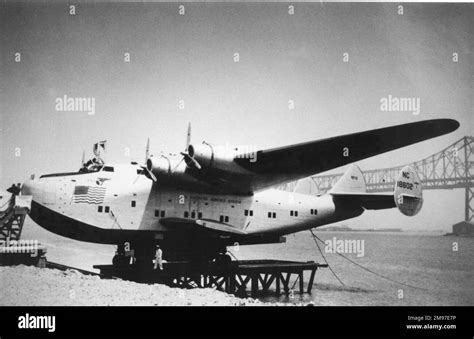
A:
(91, 168)
(108, 169)
(93, 165)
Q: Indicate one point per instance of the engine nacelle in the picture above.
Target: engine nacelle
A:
(159, 166)
(210, 156)
(408, 193)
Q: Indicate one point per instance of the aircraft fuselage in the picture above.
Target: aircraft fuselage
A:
(118, 204)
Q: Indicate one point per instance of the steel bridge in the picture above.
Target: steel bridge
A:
(452, 167)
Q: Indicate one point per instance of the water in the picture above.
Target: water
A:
(424, 260)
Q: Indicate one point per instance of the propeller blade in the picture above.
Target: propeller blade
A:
(147, 150)
(177, 165)
(152, 176)
(188, 138)
(148, 174)
(190, 160)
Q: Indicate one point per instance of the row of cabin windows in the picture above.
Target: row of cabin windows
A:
(105, 209)
(193, 215)
(224, 218)
(159, 213)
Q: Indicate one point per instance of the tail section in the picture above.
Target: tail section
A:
(407, 195)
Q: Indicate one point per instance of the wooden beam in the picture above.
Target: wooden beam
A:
(311, 280)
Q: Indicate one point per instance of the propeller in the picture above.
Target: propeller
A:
(188, 138)
(147, 150)
(190, 161)
(145, 170)
(149, 173)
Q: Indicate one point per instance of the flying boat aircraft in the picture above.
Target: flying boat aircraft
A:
(196, 203)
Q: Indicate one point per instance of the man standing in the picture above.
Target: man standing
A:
(158, 258)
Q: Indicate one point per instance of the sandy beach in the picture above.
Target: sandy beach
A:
(31, 286)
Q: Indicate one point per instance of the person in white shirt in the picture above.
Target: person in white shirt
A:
(158, 258)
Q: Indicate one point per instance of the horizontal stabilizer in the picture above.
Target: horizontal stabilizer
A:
(369, 201)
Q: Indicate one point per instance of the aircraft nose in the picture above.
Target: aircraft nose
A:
(33, 187)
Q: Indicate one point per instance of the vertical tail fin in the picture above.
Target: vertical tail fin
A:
(351, 182)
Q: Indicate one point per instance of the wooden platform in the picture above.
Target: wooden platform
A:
(234, 278)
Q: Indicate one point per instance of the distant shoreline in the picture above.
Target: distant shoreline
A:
(348, 229)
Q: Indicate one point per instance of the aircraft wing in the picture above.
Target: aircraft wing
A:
(205, 224)
(279, 165)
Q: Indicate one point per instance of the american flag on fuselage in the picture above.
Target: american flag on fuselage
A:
(89, 194)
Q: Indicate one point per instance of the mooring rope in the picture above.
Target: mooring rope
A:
(367, 269)
(329, 266)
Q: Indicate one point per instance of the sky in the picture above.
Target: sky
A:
(191, 59)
